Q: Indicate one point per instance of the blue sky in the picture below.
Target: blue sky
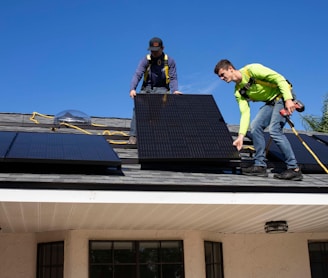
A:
(81, 54)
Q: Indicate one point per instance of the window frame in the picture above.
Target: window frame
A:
(318, 258)
(50, 259)
(214, 260)
(160, 265)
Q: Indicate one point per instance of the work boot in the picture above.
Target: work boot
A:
(259, 171)
(132, 140)
(290, 174)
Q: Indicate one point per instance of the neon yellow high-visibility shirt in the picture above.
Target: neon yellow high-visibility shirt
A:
(268, 85)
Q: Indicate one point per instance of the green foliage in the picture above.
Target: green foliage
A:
(317, 123)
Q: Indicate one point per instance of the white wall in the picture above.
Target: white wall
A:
(245, 256)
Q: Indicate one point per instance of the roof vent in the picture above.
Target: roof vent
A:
(74, 117)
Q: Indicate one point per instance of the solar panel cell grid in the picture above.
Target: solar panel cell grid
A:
(57, 148)
(6, 139)
(64, 147)
(181, 127)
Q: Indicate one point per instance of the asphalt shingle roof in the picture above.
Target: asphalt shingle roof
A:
(134, 178)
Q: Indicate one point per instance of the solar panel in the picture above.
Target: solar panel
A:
(44, 149)
(322, 138)
(6, 139)
(182, 129)
(303, 156)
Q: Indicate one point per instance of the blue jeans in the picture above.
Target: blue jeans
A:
(147, 90)
(269, 116)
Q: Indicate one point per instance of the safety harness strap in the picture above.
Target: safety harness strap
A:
(252, 80)
(261, 82)
(166, 70)
(243, 90)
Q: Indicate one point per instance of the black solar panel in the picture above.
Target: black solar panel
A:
(182, 129)
(322, 138)
(58, 149)
(6, 139)
(303, 156)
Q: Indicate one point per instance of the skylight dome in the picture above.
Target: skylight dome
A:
(72, 117)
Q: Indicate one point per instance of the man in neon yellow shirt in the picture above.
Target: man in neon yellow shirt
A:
(256, 82)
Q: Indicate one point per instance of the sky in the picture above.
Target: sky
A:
(81, 54)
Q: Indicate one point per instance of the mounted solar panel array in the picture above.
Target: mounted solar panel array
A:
(57, 152)
(182, 130)
(303, 156)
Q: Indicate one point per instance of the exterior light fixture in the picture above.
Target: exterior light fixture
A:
(276, 227)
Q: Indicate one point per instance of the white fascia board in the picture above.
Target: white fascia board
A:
(133, 197)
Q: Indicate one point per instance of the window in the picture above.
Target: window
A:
(136, 259)
(318, 252)
(213, 259)
(50, 260)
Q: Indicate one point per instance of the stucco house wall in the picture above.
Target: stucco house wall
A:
(245, 255)
(17, 255)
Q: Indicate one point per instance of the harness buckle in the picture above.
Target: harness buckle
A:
(243, 90)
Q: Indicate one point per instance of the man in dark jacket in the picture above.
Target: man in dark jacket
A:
(159, 74)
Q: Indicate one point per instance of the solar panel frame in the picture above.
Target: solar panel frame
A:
(57, 151)
(182, 129)
(62, 147)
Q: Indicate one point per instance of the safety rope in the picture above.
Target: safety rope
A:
(73, 126)
(105, 132)
(32, 118)
(306, 146)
